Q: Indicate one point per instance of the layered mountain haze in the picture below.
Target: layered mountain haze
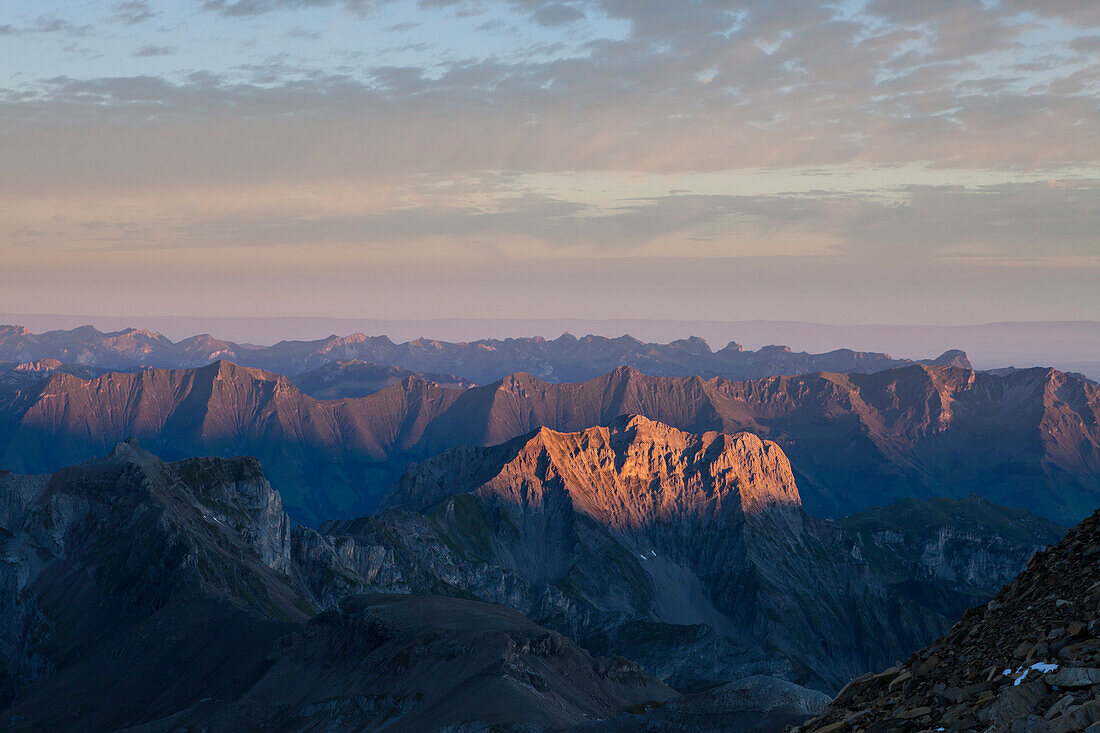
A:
(565, 359)
(25, 375)
(1027, 438)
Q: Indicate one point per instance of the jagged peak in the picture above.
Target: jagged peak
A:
(156, 335)
(518, 380)
(15, 330)
(42, 365)
(641, 425)
(130, 451)
(692, 344)
(232, 370)
(771, 481)
(951, 357)
(624, 371)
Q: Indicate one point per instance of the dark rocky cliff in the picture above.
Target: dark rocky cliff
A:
(1029, 660)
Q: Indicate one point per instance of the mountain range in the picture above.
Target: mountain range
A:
(179, 596)
(1027, 438)
(565, 359)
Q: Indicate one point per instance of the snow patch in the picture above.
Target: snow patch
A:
(1040, 667)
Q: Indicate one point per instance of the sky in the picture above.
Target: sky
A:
(886, 161)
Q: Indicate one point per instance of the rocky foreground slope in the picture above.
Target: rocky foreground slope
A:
(1029, 660)
(565, 359)
(165, 596)
(1029, 438)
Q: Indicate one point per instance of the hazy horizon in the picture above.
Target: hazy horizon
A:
(1067, 345)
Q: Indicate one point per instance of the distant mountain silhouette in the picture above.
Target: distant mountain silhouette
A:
(565, 359)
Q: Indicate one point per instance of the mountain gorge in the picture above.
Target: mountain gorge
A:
(1027, 438)
(565, 359)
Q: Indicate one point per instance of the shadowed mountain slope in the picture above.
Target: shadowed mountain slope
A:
(564, 359)
(1027, 438)
(165, 596)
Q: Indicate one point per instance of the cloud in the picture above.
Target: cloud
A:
(300, 32)
(1078, 12)
(150, 50)
(132, 12)
(434, 155)
(245, 8)
(556, 14)
(46, 24)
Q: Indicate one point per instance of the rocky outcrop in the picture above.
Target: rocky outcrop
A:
(754, 704)
(565, 359)
(1029, 660)
(1030, 438)
(126, 579)
(176, 595)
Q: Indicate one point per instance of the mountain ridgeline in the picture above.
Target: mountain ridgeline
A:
(1027, 438)
(503, 585)
(565, 359)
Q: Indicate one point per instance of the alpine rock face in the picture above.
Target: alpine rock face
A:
(508, 585)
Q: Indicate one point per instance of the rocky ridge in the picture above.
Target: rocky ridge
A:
(1030, 438)
(1028, 661)
(169, 596)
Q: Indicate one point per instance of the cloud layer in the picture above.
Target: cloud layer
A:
(888, 134)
